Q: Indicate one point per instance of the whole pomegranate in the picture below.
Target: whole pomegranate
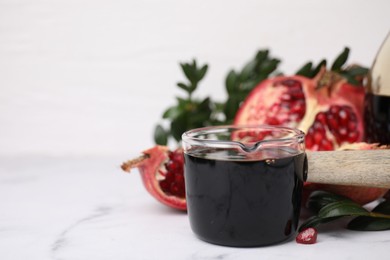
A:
(327, 108)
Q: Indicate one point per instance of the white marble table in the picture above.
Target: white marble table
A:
(86, 208)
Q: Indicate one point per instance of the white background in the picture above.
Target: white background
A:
(90, 77)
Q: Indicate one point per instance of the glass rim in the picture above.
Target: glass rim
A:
(190, 136)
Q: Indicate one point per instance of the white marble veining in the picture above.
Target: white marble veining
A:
(87, 208)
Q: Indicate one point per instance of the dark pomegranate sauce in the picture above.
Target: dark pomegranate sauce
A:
(377, 119)
(241, 201)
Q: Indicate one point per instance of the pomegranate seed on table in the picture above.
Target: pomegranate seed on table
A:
(307, 236)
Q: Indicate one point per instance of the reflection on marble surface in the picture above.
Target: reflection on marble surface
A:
(86, 208)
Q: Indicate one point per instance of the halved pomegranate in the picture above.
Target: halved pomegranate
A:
(162, 175)
(327, 108)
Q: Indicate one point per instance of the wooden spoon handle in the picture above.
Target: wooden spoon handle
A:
(370, 168)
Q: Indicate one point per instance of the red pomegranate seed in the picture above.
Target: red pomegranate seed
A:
(343, 117)
(352, 117)
(170, 176)
(317, 137)
(326, 145)
(177, 157)
(343, 132)
(273, 121)
(318, 127)
(173, 184)
(351, 125)
(242, 135)
(333, 124)
(165, 186)
(299, 107)
(334, 110)
(307, 236)
(179, 178)
(172, 165)
(321, 117)
(285, 97)
(260, 136)
(298, 95)
(174, 188)
(353, 137)
(177, 189)
(309, 141)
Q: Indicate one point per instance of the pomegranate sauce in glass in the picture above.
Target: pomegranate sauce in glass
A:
(244, 184)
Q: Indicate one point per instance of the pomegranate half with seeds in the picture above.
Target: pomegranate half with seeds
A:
(162, 175)
(327, 108)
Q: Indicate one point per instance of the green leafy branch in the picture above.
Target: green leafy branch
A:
(329, 207)
(194, 75)
(354, 74)
(188, 112)
(239, 84)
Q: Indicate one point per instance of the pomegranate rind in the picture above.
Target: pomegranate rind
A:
(148, 167)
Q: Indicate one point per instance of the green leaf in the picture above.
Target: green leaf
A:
(231, 107)
(342, 208)
(247, 71)
(202, 72)
(231, 82)
(179, 126)
(219, 105)
(247, 86)
(172, 112)
(205, 104)
(357, 71)
(269, 66)
(317, 69)
(331, 207)
(306, 70)
(374, 222)
(340, 60)
(261, 56)
(314, 221)
(194, 66)
(160, 135)
(319, 199)
(201, 114)
(183, 103)
(183, 86)
(369, 224)
(351, 79)
(199, 119)
(188, 71)
(383, 207)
